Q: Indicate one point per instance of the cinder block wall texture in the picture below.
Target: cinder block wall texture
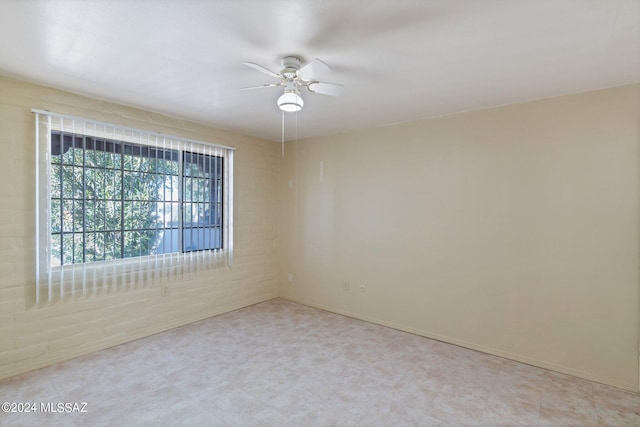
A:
(34, 337)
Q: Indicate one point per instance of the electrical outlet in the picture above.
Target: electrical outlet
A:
(345, 286)
(363, 288)
(164, 291)
(290, 277)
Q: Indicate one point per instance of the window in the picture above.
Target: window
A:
(113, 195)
(111, 199)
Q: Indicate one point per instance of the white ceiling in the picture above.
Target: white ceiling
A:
(400, 60)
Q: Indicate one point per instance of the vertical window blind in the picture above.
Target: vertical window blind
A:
(120, 208)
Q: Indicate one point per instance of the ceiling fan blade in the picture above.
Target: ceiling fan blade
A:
(331, 89)
(313, 69)
(261, 86)
(262, 69)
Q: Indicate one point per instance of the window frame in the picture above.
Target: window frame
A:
(146, 264)
(126, 154)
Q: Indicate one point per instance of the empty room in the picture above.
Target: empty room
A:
(320, 213)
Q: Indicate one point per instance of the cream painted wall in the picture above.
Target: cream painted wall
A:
(511, 230)
(31, 338)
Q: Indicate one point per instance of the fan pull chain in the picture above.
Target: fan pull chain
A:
(283, 134)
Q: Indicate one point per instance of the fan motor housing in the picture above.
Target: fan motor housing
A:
(290, 64)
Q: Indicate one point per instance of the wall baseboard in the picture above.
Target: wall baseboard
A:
(22, 367)
(632, 387)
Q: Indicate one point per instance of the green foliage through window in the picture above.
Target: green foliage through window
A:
(113, 199)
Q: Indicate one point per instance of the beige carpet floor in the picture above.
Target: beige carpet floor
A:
(284, 364)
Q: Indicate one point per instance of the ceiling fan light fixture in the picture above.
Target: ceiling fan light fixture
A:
(290, 101)
(293, 76)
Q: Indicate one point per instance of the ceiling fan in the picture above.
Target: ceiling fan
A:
(293, 76)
